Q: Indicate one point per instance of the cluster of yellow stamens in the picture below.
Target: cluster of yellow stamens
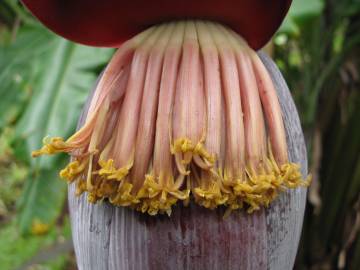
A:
(184, 111)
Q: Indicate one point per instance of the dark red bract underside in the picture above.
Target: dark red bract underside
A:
(110, 22)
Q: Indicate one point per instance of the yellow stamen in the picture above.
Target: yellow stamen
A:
(210, 197)
(185, 145)
(53, 146)
(292, 177)
(156, 198)
(108, 169)
(124, 196)
(73, 169)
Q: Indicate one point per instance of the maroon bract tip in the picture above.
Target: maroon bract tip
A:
(110, 22)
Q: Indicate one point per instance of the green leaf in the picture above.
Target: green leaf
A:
(18, 251)
(46, 79)
(300, 11)
(19, 66)
(65, 78)
(352, 8)
(42, 199)
(289, 26)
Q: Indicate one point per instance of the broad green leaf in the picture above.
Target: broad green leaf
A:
(64, 80)
(19, 65)
(42, 199)
(57, 76)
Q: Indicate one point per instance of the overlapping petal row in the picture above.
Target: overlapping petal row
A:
(184, 111)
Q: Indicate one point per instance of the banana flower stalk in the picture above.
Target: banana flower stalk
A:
(184, 121)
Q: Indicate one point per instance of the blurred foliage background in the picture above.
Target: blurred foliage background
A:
(44, 81)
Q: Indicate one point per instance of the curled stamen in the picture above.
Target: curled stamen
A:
(53, 146)
(184, 145)
(73, 169)
(109, 170)
(157, 198)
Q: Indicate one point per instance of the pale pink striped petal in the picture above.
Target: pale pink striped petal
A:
(146, 130)
(163, 163)
(189, 127)
(123, 152)
(235, 138)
